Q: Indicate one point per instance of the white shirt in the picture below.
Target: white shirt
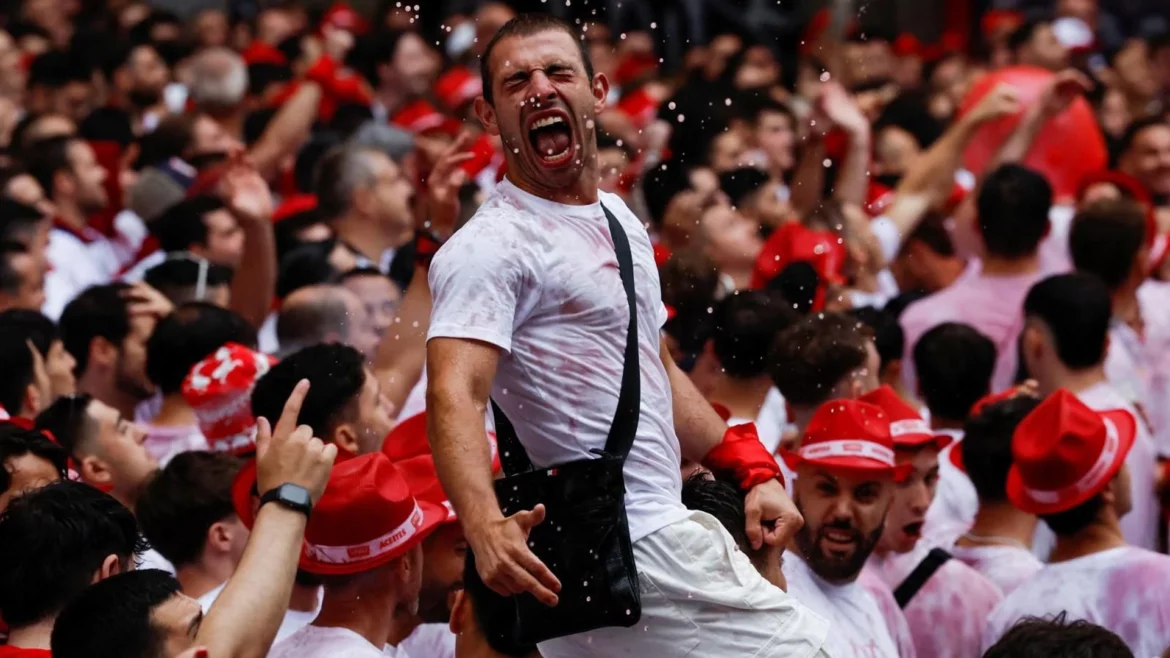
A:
(955, 502)
(1140, 525)
(321, 642)
(152, 559)
(1154, 301)
(429, 641)
(1006, 566)
(1122, 589)
(770, 422)
(857, 628)
(294, 620)
(539, 280)
(79, 260)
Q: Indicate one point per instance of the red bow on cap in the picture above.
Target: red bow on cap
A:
(1064, 453)
(849, 435)
(907, 429)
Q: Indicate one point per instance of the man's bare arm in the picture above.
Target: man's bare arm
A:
(698, 427)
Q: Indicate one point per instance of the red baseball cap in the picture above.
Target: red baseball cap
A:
(1064, 453)
(219, 390)
(457, 87)
(421, 117)
(907, 429)
(366, 518)
(343, 17)
(795, 242)
(848, 435)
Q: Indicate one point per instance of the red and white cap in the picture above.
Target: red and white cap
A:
(457, 87)
(907, 428)
(219, 389)
(1064, 453)
(848, 435)
(366, 518)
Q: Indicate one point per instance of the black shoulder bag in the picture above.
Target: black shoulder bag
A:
(585, 537)
(933, 561)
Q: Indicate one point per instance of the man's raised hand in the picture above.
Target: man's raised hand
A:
(291, 454)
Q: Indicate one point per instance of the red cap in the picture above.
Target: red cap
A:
(848, 435)
(423, 480)
(261, 52)
(1064, 453)
(420, 117)
(794, 242)
(366, 518)
(878, 198)
(219, 390)
(907, 45)
(458, 87)
(640, 106)
(907, 429)
(483, 153)
(294, 205)
(1001, 19)
(343, 17)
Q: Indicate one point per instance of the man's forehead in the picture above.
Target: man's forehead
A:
(522, 52)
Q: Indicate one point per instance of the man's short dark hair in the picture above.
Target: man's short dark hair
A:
(17, 364)
(113, 618)
(18, 220)
(191, 333)
(98, 312)
(1106, 238)
(1076, 309)
(1013, 211)
(177, 278)
(526, 25)
(56, 68)
(46, 157)
(10, 279)
(987, 445)
(1033, 637)
(52, 540)
(1024, 34)
(809, 358)
(1135, 130)
(954, 364)
(493, 620)
(15, 441)
(724, 501)
(1072, 521)
(183, 500)
(759, 104)
(337, 372)
(39, 329)
(182, 225)
(888, 336)
(305, 265)
(743, 184)
(746, 323)
(932, 231)
(69, 421)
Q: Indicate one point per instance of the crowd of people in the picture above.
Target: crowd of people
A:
(898, 322)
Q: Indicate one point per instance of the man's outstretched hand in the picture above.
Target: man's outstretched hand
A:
(772, 517)
(504, 561)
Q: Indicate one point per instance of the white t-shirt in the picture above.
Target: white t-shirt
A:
(429, 641)
(321, 642)
(857, 627)
(771, 421)
(1140, 525)
(1006, 566)
(948, 614)
(78, 260)
(955, 502)
(1122, 589)
(1153, 368)
(294, 620)
(540, 281)
(152, 559)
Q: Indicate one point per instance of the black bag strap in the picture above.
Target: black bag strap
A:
(513, 457)
(922, 573)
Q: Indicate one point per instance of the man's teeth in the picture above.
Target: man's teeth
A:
(547, 121)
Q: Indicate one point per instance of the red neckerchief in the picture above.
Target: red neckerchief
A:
(84, 236)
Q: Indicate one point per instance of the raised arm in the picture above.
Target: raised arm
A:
(1064, 88)
(288, 130)
(248, 198)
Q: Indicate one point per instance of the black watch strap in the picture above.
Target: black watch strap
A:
(292, 496)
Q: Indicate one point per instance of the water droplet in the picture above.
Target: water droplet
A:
(827, 162)
(681, 118)
(654, 26)
(670, 105)
(516, 150)
(623, 36)
(825, 76)
(619, 143)
(590, 124)
(727, 102)
(588, 599)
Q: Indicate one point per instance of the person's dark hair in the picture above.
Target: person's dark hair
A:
(689, 281)
(741, 185)
(98, 312)
(183, 500)
(52, 540)
(724, 501)
(57, 68)
(1013, 211)
(910, 111)
(493, 620)
(68, 420)
(46, 157)
(987, 455)
(1135, 130)
(661, 185)
(182, 225)
(758, 105)
(809, 358)
(312, 320)
(932, 232)
(746, 323)
(1072, 521)
(309, 157)
(17, 364)
(113, 618)
(177, 278)
(18, 221)
(255, 123)
(338, 373)
(1076, 309)
(887, 333)
(306, 265)
(1106, 238)
(39, 329)
(954, 364)
(798, 283)
(1023, 34)
(526, 25)
(15, 441)
(1057, 637)
(10, 278)
(191, 333)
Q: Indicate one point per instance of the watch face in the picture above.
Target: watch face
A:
(295, 495)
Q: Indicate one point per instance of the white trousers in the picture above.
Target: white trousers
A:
(701, 596)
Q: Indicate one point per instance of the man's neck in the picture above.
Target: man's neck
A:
(743, 397)
(202, 577)
(999, 266)
(1000, 521)
(70, 215)
(175, 412)
(367, 238)
(401, 627)
(581, 193)
(948, 270)
(391, 97)
(304, 598)
(129, 499)
(742, 277)
(108, 393)
(1127, 309)
(1103, 535)
(1076, 381)
(368, 617)
(33, 636)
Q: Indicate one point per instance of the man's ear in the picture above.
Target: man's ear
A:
(487, 116)
(600, 92)
(102, 352)
(460, 611)
(93, 471)
(111, 566)
(219, 537)
(32, 402)
(346, 438)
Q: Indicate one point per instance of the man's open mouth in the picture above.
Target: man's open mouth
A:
(913, 529)
(551, 137)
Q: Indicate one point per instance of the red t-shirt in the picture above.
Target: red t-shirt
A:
(19, 652)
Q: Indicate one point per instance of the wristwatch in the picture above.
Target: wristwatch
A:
(292, 496)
